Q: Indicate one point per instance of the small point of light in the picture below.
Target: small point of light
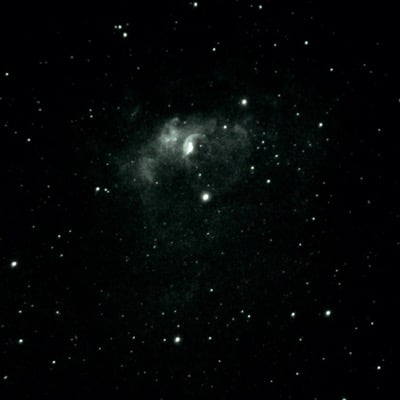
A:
(320, 124)
(293, 314)
(243, 102)
(195, 4)
(97, 189)
(268, 181)
(125, 34)
(205, 196)
(20, 341)
(306, 43)
(14, 264)
(328, 313)
(177, 339)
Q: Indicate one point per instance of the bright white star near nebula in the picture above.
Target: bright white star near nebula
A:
(205, 196)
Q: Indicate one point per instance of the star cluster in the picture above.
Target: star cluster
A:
(199, 201)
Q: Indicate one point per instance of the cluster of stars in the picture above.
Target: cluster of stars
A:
(212, 158)
(119, 27)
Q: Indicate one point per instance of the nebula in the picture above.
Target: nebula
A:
(208, 153)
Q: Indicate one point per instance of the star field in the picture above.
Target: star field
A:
(200, 201)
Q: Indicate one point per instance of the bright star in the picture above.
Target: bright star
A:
(205, 196)
(177, 339)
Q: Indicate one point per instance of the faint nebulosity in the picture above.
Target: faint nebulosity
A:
(200, 201)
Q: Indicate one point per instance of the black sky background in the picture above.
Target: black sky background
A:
(95, 287)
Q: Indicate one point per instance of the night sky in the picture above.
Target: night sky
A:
(200, 200)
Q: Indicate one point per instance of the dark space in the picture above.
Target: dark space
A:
(200, 200)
